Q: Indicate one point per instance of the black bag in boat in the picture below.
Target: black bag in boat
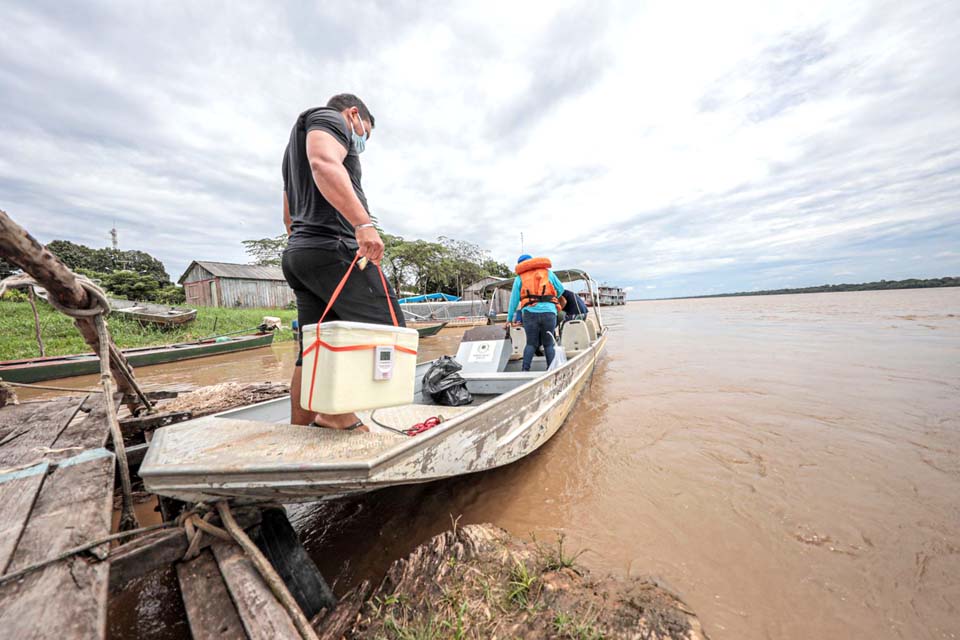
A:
(445, 385)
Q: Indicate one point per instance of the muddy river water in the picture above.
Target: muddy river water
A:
(789, 464)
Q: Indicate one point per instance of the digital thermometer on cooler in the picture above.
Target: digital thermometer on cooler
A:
(383, 362)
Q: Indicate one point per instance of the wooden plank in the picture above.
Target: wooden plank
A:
(143, 555)
(210, 611)
(159, 549)
(18, 491)
(29, 428)
(263, 617)
(136, 454)
(89, 429)
(67, 599)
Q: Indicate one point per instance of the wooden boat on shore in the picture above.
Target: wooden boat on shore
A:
(427, 329)
(150, 313)
(254, 454)
(53, 367)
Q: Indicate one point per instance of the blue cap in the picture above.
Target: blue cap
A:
(525, 256)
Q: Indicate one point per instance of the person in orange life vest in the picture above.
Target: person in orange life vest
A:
(536, 292)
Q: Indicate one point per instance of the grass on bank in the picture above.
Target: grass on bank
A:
(60, 337)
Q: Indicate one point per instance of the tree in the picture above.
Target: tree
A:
(171, 295)
(75, 256)
(266, 251)
(144, 264)
(496, 269)
(131, 285)
(79, 257)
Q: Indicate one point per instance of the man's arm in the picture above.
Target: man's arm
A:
(326, 155)
(286, 213)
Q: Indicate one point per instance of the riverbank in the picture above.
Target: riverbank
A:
(478, 581)
(60, 337)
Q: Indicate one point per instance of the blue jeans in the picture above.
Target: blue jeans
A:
(537, 326)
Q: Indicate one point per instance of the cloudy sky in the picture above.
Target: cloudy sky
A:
(676, 148)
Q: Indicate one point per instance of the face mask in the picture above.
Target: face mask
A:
(359, 142)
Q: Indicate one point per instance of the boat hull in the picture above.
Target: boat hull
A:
(427, 330)
(52, 368)
(493, 434)
(151, 313)
(161, 320)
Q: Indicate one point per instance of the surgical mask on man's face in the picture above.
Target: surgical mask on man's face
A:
(359, 142)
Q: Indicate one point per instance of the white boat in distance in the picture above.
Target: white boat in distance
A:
(254, 454)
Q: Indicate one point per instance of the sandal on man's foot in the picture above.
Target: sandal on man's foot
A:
(353, 427)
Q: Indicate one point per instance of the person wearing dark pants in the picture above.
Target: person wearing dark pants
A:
(540, 329)
(328, 226)
(537, 293)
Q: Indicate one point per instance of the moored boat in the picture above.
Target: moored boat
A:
(151, 313)
(427, 329)
(253, 453)
(53, 367)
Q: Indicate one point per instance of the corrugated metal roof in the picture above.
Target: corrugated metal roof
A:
(231, 270)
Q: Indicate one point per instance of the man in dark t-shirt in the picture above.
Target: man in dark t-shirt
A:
(328, 225)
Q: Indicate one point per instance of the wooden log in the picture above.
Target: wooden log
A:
(263, 617)
(18, 491)
(67, 599)
(337, 623)
(134, 426)
(210, 611)
(160, 549)
(21, 249)
(151, 395)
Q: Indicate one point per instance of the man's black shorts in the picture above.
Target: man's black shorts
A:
(313, 274)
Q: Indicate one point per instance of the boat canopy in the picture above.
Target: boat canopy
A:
(564, 275)
(429, 297)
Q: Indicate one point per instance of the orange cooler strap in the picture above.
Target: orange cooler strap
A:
(317, 343)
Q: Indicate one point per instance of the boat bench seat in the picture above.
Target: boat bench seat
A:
(576, 336)
(518, 340)
(592, 329)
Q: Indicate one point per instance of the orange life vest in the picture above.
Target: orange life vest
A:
(535, 285)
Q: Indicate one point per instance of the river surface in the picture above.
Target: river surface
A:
(789, 464)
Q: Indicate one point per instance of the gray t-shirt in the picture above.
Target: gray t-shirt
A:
(316, 224)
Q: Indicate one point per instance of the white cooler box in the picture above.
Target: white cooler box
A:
(357, 366)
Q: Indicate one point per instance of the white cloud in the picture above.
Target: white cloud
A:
(756, 144)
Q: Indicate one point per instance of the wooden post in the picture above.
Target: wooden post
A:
(36, 320)
(21, 249)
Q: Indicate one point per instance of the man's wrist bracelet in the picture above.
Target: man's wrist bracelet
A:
(363, 226)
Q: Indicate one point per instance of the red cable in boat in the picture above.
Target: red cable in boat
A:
(426, 425)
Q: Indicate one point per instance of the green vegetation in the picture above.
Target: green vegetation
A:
(134, 275)
(60, 337)
(520, 585)
(446, 265)
(556, 559)
(478, 582)
(912, 283)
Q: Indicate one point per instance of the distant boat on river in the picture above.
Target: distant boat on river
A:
(607, 295)
(427, 329)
